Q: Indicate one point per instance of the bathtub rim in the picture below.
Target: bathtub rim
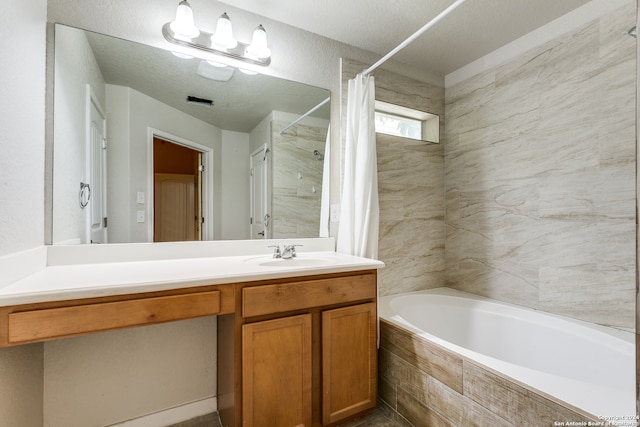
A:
(496, 366)
(615, 332)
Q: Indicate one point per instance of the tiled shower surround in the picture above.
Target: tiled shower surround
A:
(529, 199)
(296, 179)
(540, 176)
(410, 188)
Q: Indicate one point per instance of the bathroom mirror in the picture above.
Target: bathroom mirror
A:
(131, 121)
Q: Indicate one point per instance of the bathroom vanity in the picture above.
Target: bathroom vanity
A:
(304, 349)
(296, 338)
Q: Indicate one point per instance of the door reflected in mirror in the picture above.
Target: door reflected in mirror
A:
(113, 184)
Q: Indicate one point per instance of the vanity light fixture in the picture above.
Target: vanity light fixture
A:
(258, 47)
(183, 32)
(223, 37)
(184, 27)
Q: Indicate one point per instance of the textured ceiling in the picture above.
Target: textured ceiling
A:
(239, 104)
(474, 29)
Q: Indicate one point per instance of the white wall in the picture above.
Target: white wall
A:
(234, 217)
(75, 67)
(120, 210)
(21, 386)
(147, 112)
(129, 162)
(22, 100)
(261, 134)
(107, 378)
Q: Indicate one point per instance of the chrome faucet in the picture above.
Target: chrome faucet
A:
(276, 251)
(289, 251)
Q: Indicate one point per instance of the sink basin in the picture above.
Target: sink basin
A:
(300, 261)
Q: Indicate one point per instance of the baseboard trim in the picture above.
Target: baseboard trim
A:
(173, 415)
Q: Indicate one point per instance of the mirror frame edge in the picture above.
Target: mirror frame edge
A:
(48, 133)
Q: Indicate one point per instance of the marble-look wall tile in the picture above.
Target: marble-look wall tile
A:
(296, 180)
(539, 168)
(410, 187)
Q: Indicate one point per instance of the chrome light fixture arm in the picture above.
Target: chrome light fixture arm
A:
(202, 41)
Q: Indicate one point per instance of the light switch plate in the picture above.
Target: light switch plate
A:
(140, 198)
(140, 216)
(334, 214)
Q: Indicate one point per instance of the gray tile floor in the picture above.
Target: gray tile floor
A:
(381, 416)
(209, 420)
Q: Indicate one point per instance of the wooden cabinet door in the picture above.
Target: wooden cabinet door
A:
(349, 361)
(276, 372)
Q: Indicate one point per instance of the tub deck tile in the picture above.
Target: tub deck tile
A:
(398, 371)
(426, 356)
(513, 402)
(387, 392)
(460, 410)
(418, 414)
(392, 367)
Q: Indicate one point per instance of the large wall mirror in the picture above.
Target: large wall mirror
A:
(151, 146)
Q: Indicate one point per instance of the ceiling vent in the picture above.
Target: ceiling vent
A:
(200, 101)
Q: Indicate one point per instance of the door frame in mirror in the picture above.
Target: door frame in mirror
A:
(207, 182)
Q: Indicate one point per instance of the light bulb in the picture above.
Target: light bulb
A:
(223, 37)
(183, 26)
(258, 47)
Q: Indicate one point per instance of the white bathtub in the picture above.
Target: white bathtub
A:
(589, 366)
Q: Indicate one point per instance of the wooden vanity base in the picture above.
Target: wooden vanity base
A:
(29, 323)
(298, 351)
(335, 322)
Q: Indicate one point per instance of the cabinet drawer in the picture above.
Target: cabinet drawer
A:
(68, 321)
(278, 298)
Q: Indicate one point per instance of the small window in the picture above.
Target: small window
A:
(405, 122)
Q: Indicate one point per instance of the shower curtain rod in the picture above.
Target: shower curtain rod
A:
(387, 56)
(295, 122)
(414, 36)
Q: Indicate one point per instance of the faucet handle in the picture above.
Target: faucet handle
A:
(292, 249)
(276, 251)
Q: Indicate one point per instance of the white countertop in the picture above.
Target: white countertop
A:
(63, 281)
